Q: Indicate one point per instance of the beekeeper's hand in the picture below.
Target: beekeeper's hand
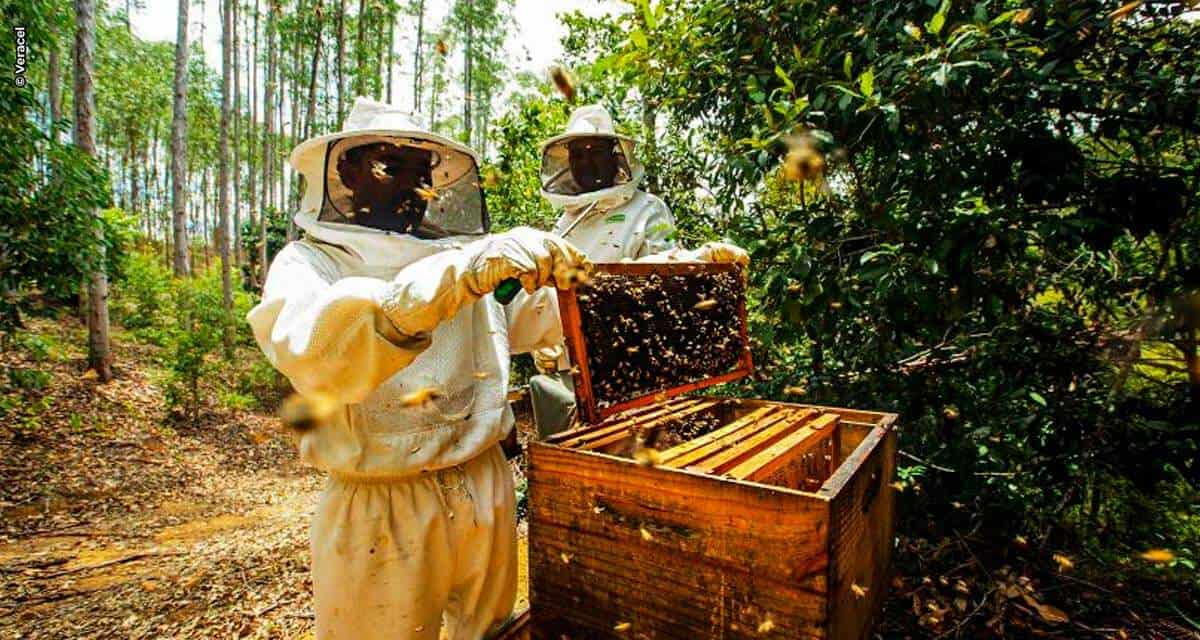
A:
(723, 252)
(536, 258)
(546, 359)
(708, 252)
(433, 289)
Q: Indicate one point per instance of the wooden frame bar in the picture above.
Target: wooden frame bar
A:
(696, 443)
(782, 453)
(723, 461)
(657, 420)
(690, 459)
(577, 347)
(599, 431)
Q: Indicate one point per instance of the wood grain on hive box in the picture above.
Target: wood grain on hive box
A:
(762, 527)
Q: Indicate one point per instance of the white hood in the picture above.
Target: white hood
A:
(375, 247)
(590, 121)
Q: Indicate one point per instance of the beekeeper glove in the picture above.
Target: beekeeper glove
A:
(708, 252)
(433, 289)
(546, 359)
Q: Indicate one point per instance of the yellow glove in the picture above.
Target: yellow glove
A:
(433, 289)
(708, 252)
(546, 359)
(722, 252)
(536, 258)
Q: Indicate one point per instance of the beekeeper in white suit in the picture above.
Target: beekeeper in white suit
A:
(383, 312)
(591, 173)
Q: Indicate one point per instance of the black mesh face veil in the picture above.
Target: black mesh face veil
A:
(583, 164)
(439, 200)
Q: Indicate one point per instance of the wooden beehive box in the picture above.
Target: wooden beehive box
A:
(664, 516)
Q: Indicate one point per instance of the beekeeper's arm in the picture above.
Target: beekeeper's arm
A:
(344, 337)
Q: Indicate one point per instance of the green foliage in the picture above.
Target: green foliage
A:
(49, 192)
(276, 237)
(28, 379)
(261, 381)
(513, 185)
(38, 347)
(140, 298)
(193, 338)
(236, 400)
(1005, 231)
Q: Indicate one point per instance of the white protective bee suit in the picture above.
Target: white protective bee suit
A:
(613, 224)
(621, 222)
(418, 519)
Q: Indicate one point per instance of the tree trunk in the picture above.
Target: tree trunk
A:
(418, 69)
(252, 131)
(223, 164)
(236, 197)
(310, 113)
(179, 145)
(294, 129)
(341, 61)
(391, 51)
(54, 82)
(99, 356)
(134, 190)
(269, 129)
(649, 146)
(378, 76)
(467, 55)
(360, 51)
(205, 230)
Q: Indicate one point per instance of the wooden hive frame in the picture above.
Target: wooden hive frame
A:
(571, 314)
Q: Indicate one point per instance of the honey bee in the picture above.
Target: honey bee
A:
(427, 193)
(562, 80)
(420, 397)
(304, 413)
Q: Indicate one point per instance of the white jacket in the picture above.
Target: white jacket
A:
(632, 227)
(324, 322)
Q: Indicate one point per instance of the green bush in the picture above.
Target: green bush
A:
(28, 379)
(39, 347)
(195, 338)
(276, 237)
(140, 299)
(262, 381)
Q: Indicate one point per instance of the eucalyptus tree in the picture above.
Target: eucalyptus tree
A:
(99, 352)
(223, 169)
(179, 181)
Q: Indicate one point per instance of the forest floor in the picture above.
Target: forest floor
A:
(117, 521)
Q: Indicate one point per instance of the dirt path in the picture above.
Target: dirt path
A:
(114, 525)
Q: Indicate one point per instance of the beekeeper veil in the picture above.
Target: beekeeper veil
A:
(588, 160)
(384, 170)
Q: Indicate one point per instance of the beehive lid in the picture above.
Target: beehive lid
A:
(639, 333)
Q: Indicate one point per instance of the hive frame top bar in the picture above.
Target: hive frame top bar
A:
(577, 347)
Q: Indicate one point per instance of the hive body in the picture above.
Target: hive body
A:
(665, 516)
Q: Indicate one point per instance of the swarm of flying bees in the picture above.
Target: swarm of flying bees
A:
(650, 333)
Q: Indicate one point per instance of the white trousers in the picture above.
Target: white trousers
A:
(391, 558)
